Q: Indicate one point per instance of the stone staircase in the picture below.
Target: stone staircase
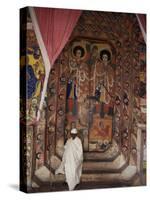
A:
(100, 170)
(98, 166)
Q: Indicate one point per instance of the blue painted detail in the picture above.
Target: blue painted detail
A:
(28, 81)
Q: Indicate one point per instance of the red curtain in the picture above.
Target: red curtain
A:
(56, 25)
(53, 28)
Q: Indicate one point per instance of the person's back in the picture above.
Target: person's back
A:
(71, 164)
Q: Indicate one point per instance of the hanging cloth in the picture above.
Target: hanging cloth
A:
(53, 28)
(142, 23)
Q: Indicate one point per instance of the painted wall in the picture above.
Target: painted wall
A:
(32, 74)
(120, 35)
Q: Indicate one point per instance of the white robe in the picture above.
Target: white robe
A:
(71, 164)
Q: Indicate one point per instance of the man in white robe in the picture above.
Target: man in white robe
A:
(72, 160)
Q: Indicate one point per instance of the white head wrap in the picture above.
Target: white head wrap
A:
(74, 131)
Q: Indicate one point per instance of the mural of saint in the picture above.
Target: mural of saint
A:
(32, 74)
(78, 53)
(102, 86)
(72, 84)
(90, 88)
(77, 85)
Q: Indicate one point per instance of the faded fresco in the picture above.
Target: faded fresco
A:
(33, 71)
(90, 91)
(32, 67)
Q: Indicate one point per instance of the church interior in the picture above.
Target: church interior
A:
(97, 84)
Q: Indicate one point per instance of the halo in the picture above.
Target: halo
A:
(79, 47)
(107, 52)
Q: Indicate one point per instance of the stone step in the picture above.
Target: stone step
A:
(106, 156)
(97, 157)
(99, 180)
(115, 166)
(99, 166)
(125, 176)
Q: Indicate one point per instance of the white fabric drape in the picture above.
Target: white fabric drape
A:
(71, 164)
(142, 23)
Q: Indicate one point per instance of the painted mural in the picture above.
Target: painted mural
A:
(32, 70)
(90, 89)
(100, 100)
(98, 85)
(32, 74)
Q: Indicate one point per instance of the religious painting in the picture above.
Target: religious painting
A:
(33, 72)
(82, 99)
(90, 90)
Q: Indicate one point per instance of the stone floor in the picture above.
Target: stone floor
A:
(81, 186)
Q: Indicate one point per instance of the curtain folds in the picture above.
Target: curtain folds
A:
(56, 26)
(53, 28)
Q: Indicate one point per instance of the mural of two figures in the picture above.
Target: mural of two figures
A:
(90, 92)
